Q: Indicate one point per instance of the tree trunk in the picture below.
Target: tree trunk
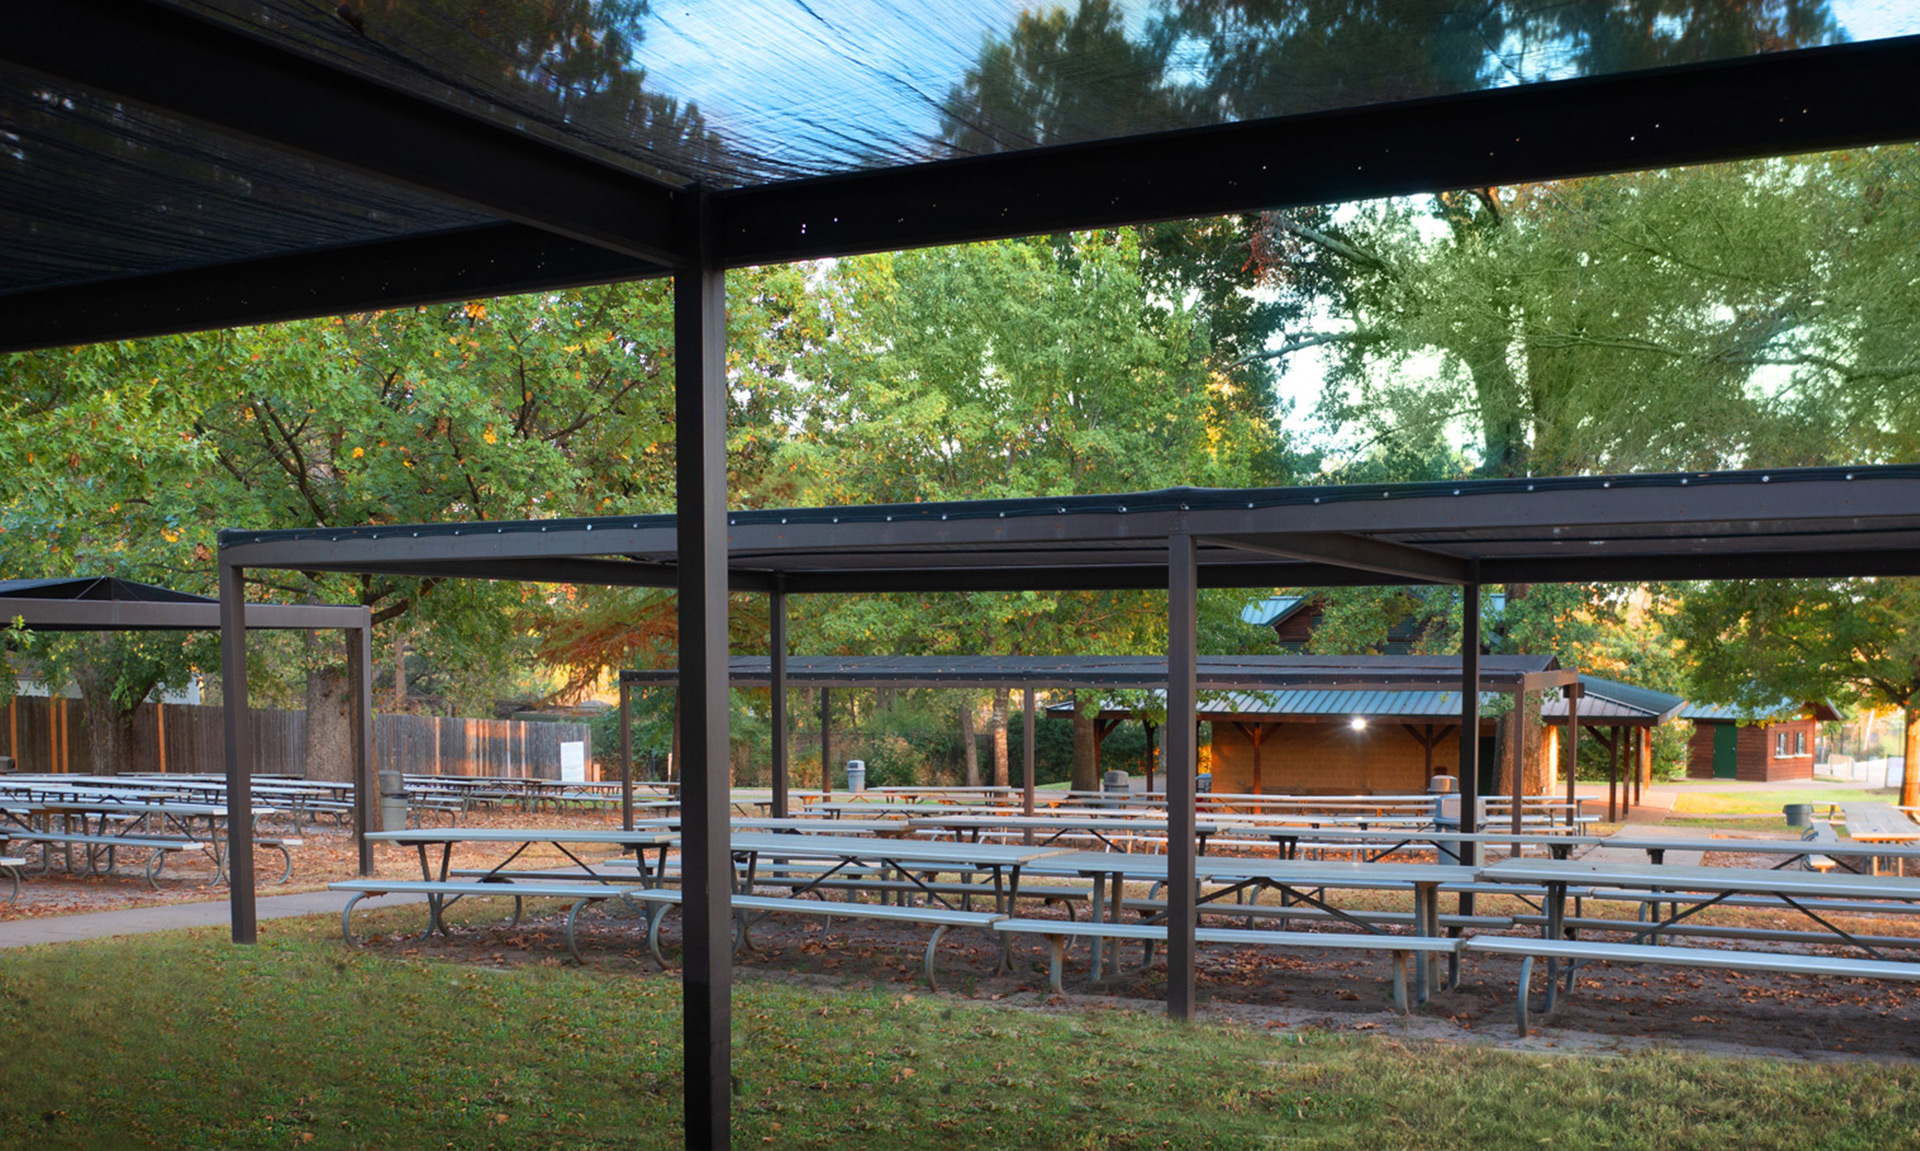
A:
(329, 749)
(1910, 774)
(109, 729)
(970, 744)
(1086, 750)
(1533, 780)
(399, 671)
(1002, 701)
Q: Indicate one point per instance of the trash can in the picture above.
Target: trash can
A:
(393, 801)
(1117, 781)
(856, 775)
(1799, 814)
(1203, 783)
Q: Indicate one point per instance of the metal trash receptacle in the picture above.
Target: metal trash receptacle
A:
(856, 775)
(393, 801)
(1798, 814)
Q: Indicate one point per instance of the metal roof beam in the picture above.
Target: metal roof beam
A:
(1360, 553)
(1773, 104)
(223, 77)
(158, 615)
(493, 260)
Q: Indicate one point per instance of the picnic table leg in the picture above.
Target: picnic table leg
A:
(1118, 895)
(1426, 922)
(1002, 904)
(1555, 930)
(1098, 912)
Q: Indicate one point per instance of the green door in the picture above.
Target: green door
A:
(1726, 751)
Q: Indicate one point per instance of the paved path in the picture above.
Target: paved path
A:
(172, 916)
(1651, 831)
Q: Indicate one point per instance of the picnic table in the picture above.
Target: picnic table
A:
(1297, 880)
(1103, 829)
(1672, 895)
(804, 826)
(103, 821)
(903, 857)
(639, 841)
(1879, 823)
(422, 839)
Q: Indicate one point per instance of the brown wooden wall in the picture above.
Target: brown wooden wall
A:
(50, 735)
(1327, 759)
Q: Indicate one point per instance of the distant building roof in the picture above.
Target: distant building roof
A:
(1372, 705)
(1780, 710)
(1620, 703)
(1274, 609)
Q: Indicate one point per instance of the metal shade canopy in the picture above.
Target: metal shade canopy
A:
(1805, 522)
(1112, 672)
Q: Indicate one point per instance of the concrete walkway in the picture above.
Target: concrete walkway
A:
(173, 916)
(1638, 855)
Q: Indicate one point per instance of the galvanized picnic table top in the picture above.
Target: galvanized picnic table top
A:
(116, 807)
(821, 826)
(897, 850)
(639, 837)
(1298, 872)
(1879, 823)
(1063, 821)
(1732, 880)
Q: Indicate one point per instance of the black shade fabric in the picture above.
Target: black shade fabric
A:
(752, 96)
(750, 91)
(92, 189)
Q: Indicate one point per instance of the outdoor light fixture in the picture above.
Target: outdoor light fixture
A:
(1358, 723)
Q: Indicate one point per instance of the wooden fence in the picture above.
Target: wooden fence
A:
(50, 735)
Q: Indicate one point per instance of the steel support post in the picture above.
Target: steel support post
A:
(777, 647)
(700, 470)
(366, 783)
(1573, 752)
(1026, 752)
(826, 743)
(1517, 755)
(626, 756)
(1182, 764)
(1469, 854)
(239, 751)
(1470, 711)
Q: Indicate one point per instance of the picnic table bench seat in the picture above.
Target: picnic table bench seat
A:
(1577, 951)
(1062, 895)
(442, 893)
(939, 918)
(1150, 907)
(1400, 947)
(1713, 931)
(159, 846)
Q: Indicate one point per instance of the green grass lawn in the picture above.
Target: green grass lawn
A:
(1769, 801)
(183, 1041)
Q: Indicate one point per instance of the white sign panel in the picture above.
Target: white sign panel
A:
(573, 762)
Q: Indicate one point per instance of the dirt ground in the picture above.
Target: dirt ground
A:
(1612, 1008)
